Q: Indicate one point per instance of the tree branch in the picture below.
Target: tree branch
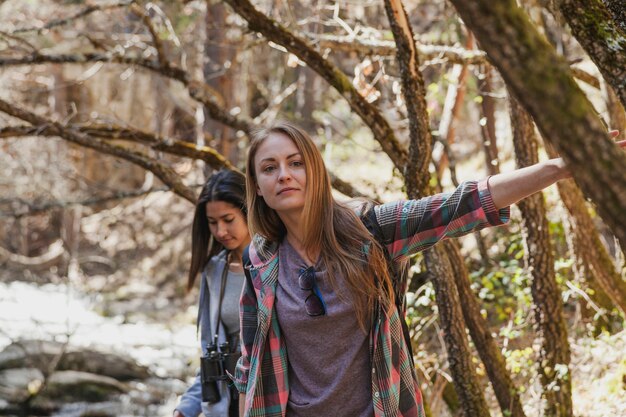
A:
(367, 46)
(370, 115)
(542, 82)
(159, 143)
(416, 169)
(31, 209)
(86, 11)
(147, 21)
(49, 128)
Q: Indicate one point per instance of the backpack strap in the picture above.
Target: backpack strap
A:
(371, 224)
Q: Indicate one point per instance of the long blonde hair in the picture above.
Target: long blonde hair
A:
(328, 225)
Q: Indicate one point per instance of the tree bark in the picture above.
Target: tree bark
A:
(549, 323)
(488, 129)
(541, 81)
(594, 28)
(588, 245)
(490, 354)
(218, 52)
(617, 8)
(371, 116)
(465, 381)
(445, 262)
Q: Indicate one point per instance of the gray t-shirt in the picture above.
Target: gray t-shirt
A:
(329, 360)
(230, 305)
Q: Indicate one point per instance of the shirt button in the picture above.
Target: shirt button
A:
(376, 394)
(373, 370)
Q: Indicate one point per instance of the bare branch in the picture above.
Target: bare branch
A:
(156, 39)
(367, 46)
(49, 127)
(347, 189)
(453, 54)
(585, 77)
(415, 171)
(84, 12)
(370, 115)
(164, 144)
(31, 209)
(54, 251)
(37, 58)
(19, 40)
(201, 92)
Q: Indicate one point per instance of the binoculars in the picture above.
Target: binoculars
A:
(213, 367)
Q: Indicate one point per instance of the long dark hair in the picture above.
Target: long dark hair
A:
(229, 187)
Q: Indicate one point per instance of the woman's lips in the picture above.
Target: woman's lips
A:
(286, 190)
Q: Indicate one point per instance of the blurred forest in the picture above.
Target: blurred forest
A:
(113, 114)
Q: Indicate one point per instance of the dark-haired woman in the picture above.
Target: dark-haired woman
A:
(322, 330)
(219, 236)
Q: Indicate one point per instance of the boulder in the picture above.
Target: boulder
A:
(16, 385)
(81, 386)
(39, 354)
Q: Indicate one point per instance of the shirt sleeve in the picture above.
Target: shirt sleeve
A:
(248, 326)
(191, 402)
(412, 226)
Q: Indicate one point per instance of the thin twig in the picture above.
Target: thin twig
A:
(84, 12)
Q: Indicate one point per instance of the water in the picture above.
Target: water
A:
(59, 313)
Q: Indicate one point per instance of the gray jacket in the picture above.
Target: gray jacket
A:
(191, 402)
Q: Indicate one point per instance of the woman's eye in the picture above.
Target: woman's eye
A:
(268, 168)
(229, 220)
(297, 163)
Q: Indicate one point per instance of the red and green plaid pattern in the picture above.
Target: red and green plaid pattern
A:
(408, 227)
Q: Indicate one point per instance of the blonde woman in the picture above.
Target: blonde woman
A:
(320, 327)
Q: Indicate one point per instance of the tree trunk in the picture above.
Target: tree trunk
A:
(455, 97)
(416, 177)
(465, 381)
(217, 70)
(594, 28)
(554, 354)
(618, 12)
(488, 129)
(588, 245)
(490, 354)
(542, 82)
(617, 114)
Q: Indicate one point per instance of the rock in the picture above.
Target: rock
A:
(16, 385)
(39, 354)
(81, 386)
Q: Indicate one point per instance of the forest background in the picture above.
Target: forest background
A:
(114, 113)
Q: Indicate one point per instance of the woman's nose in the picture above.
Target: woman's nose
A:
(284, 174)
(221, 230)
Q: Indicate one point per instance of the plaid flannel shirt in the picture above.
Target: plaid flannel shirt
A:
(408, 227)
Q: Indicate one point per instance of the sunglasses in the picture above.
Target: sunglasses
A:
(313, 304)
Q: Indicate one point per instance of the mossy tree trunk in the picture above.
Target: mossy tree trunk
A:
(542, 82)
(416, 177)
(490, 354)
(600, 271)
(549, 322)
(456, 303)
(597, 32)
(617, 8)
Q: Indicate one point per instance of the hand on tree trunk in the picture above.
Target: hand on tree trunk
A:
(561, 164)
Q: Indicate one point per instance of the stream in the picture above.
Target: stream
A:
(57, 312)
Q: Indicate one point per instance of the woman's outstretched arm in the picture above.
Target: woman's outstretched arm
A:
(510, 187)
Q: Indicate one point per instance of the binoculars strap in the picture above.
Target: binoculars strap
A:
(222, 290)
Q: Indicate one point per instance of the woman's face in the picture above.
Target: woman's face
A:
(280, 173)
(227, 225)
